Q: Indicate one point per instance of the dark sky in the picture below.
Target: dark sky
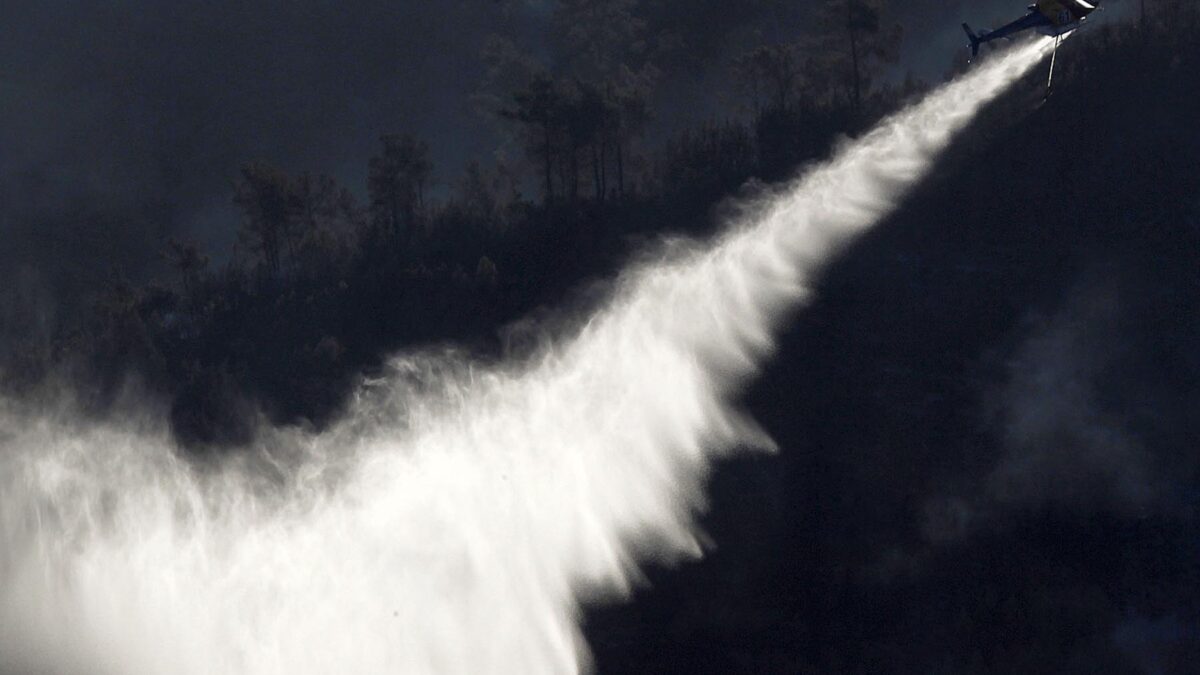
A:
(142, 110)
(123, 122)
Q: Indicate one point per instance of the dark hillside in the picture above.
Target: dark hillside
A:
(989, 418)
(322, 288)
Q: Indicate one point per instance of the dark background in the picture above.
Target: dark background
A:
(988, 418)
(124, 122)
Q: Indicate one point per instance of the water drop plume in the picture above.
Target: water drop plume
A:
(459, 514)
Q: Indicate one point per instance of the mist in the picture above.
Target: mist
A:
(459, 514)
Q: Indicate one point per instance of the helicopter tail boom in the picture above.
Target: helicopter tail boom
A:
(975, 40)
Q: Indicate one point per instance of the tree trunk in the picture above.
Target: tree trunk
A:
(394, 213)
(548, 157)
(418, 219)
(574, 168)
(290, 237)
(620, 168)
(604, 162)
(596, 180)
(854, 56)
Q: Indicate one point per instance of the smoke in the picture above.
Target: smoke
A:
(1062, 445)
(1066, 426)
(123, 123)
(459, 515)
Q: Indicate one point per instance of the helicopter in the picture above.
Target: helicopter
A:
(1053, 18)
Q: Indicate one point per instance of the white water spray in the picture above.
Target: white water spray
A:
(455, 520)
